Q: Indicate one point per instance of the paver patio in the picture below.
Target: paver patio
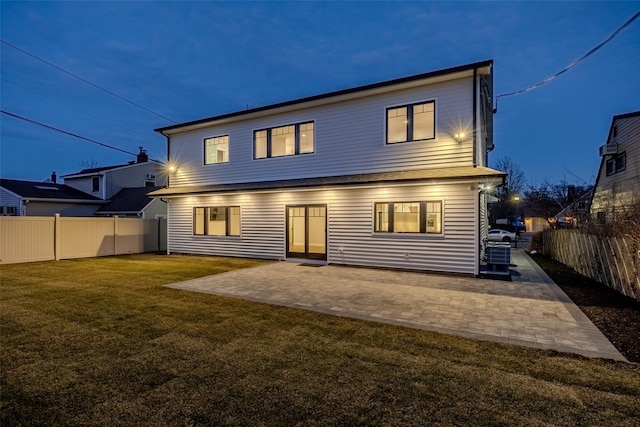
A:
(531, 310)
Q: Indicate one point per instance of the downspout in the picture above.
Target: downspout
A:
(475, 117)
(475, 163)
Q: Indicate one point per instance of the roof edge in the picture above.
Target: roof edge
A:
(430, 74)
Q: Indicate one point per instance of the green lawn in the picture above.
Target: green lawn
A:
(101, 342)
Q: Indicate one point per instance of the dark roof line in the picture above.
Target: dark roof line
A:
(626, 115)
(45, 190)
(424, 175)
(335, 93)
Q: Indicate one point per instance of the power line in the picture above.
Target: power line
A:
(573, 64)
(85, 80)
(102, 144)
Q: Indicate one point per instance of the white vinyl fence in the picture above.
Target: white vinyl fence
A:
(612, 261)
(27, 239)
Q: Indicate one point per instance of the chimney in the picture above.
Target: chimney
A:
(53, 177)
(142, 156)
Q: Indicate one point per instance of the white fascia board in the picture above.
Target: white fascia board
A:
(328, 100)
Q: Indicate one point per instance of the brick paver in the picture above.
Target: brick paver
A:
(531, 310)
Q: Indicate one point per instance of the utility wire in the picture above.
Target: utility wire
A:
(85, 80)
(573, 64)
(71, 134)
(63, 103)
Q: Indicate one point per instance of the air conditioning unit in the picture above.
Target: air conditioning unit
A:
(151, 176)
(608, 149)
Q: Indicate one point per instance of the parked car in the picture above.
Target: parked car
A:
(497, 235)
(518, 225)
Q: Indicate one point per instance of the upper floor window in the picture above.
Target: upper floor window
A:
(216, 221)
(284, 140)
(617, 163)
(216, 150)
(408, 217)
(95, 184)
(411, 122)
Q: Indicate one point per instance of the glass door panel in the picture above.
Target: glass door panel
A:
(297, 229)
(317, 219)
(307, 231)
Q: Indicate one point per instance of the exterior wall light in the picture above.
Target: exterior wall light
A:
(460, 136)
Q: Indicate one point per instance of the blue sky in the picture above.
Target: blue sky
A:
(191, 60)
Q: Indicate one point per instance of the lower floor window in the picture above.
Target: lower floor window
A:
(216, 221)
(408, 217)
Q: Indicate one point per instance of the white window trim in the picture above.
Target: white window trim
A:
(414, 236)
(404, 104)
(204, 149)
(289, 123)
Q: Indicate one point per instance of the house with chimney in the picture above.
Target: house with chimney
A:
(124, 187)
(102, 191)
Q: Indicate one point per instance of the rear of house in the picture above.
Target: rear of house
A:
(391, 174)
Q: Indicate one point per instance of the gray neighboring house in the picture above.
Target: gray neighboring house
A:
(617, 188)
(134, 202)
(106, 181)
(32, 198)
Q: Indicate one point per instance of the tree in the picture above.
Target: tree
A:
(515, 178)
(549, 199)
(510, 206)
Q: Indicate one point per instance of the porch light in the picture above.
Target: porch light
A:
(172, 167)
(459, 137)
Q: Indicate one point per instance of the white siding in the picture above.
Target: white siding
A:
(85, 184)
(351, 239)
(8, 198)
(156, 207)
(621, 189)
(114, 180)
(349, 139)
(132, 177)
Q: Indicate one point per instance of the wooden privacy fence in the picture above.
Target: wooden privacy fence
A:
(29, 238)
(612, 261)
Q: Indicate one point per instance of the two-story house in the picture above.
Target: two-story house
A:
(124, 187)
(391, 174)
(617, 188)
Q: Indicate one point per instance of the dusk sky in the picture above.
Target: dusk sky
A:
(191, 60)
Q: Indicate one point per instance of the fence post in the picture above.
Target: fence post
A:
(115, 234)
(56, 236)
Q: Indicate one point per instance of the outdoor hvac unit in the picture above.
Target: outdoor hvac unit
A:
(608, 149)
(499, 255)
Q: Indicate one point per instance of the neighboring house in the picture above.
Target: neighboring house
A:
(104, 182)
(391, 174)
(134, 202)
(617, 189)
(30, 198)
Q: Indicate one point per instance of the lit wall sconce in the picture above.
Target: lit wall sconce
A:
(171, 167)
(460, 136)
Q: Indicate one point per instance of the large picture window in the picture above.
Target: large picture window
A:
(216, 221)
(216, 150)
(412, 122)
(284, 140)
(408, 217)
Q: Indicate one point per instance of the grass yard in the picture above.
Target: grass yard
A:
(102, 342)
